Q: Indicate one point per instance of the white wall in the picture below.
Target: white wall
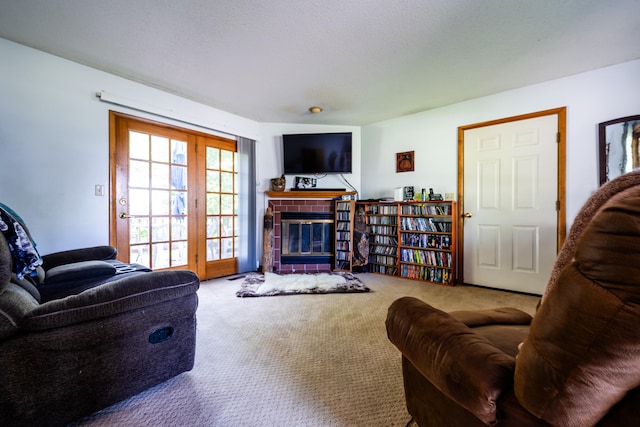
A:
(590, 98)
(54, 141)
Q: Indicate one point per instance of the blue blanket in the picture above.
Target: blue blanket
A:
(23, 250)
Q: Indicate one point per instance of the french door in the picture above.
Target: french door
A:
(174, 198)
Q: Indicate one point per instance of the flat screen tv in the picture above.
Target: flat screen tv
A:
(317, 153)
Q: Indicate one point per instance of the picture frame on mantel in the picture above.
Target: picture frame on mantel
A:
(405, 162)
(619, 147)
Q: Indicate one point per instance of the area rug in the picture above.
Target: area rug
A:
(270, 284)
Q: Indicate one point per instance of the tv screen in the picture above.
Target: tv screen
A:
(317, 153)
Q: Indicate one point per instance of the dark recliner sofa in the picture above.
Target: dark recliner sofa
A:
(576, 363)
(86, 331)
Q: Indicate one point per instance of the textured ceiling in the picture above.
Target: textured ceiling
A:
(361, 60)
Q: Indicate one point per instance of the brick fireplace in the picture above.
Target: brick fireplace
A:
(312, 210)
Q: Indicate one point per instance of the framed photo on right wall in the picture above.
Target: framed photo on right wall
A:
(619, 147)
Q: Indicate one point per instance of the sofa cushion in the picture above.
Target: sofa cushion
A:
(79, 272)
(99, 253)
(61, 289)
(582, 354)
(134, 291)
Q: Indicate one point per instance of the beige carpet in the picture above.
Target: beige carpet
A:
(296, 360)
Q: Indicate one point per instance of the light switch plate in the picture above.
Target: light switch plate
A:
(99, 190)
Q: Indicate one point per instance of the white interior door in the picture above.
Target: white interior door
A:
(510, 195)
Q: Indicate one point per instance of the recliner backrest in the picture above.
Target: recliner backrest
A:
(582, 354)
(587, 212)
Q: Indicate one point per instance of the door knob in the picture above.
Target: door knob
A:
(467, 215)
(124, 215)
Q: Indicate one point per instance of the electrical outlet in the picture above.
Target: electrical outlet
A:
(99, 189)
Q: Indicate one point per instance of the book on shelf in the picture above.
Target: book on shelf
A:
(419, 256)
(384, 240)
(423, 240)
(444, 209)
(437, 275)
(425, 224)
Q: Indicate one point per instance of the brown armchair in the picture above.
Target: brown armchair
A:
(579, 362)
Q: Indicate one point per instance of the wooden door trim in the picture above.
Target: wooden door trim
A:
(561, 220)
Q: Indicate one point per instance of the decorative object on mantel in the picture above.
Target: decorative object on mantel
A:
(401, 194)
(404, 162)
(434, 196)
(267, 242)
(619, 148)
(278, 184)
(305, 182)
(270, 284)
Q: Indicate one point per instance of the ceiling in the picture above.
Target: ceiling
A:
(362, 61)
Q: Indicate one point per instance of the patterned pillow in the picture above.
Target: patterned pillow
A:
(24, 255)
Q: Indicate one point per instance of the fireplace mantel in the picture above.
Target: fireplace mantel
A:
(315, 194)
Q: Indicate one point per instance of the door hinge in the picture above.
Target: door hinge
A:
(196, 203)
(557, 205)
(196, 258)
(558, 137)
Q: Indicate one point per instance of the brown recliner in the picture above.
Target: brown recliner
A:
(579, 363)
(89, 334)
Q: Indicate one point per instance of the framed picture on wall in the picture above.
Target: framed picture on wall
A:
(619, 147)
(404, 162)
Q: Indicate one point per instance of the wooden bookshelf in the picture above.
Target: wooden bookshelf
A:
(415, 240)
(382, 226)
(343, 251)
(427, 241)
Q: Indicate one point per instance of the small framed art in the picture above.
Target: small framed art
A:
(404, 162)
(305, 182)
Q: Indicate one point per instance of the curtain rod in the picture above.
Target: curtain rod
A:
(169, 113)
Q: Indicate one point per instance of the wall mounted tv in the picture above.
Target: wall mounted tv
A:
(317, 153)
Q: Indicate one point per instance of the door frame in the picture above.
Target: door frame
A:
(561, 140)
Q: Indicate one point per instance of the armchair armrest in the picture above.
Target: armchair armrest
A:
(129, 293)
(95, 253)
(462, 364)
(494, 316)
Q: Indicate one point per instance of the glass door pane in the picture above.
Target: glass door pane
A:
(158, 197)
(222, 205)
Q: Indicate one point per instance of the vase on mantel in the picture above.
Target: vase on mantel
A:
(278, 184)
